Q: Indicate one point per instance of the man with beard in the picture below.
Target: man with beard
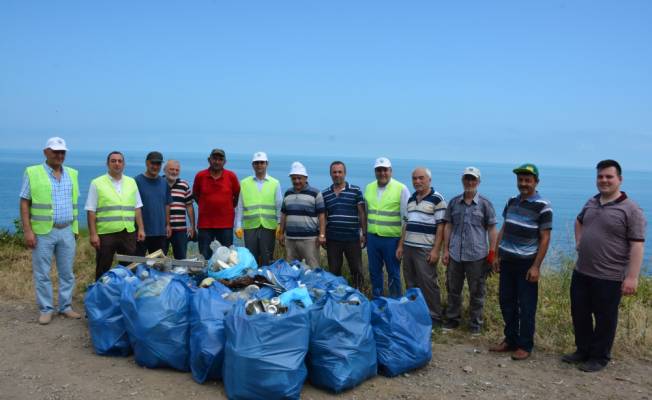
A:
(180, 207)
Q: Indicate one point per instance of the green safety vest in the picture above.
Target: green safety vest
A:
(115, 212)
(258, 207)
(384, 218)
(41, 212)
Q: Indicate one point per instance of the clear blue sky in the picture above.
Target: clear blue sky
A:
(554, 82)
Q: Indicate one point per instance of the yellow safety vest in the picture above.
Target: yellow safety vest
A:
(115, 212)
(384, 218)
(258, 207)
(41, 211)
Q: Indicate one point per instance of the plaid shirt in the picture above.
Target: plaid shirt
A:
(61, 195)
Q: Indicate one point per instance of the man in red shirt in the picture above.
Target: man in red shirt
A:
(216, 192)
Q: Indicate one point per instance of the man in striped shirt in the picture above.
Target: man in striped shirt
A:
(346, 224)
(523, 243)
(421, 240)
(180, 206)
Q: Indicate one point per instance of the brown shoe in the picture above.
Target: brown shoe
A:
(520, 355)
(503, 347)
(45, 318)
(71, 314)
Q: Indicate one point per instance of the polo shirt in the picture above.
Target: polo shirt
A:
(62, 212)
(423, 216)
(469, 223)
(216, 199)
(524, 219)
(342, 220)
(155, 195)
(607, 231)
(302, 211)
(181, 198)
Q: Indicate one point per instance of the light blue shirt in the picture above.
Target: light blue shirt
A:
(61, 195)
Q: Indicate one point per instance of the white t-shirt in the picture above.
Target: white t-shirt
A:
(91, 200)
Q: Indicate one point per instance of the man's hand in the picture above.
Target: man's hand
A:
(433, 257)
(168, 231)
(532, 275)
(279, 233)
(190, 231)
(30, 239)
(445, 258)
(281, 239)
(239, 233)
(322, 240)
(629, 286)
(399, 251)
(495, 266)
(141, 235)
(95, 241)
(363, 241)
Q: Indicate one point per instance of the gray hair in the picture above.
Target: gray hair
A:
(427, 170)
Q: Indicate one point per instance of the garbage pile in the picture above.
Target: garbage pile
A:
(263, 331)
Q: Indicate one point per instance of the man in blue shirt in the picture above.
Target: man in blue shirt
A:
(346, 224)
(156, 197)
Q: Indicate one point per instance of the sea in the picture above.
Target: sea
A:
(567, 188)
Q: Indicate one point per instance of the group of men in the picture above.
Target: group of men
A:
(153, 212)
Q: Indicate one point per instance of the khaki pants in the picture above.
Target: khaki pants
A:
(419, 273)
(303, 249)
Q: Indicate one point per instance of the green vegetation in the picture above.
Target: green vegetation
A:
(553, 333)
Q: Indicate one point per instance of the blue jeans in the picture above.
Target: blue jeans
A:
(382, 251)
(179, 242)
(518, 302)
(61, 243)
(206, 236)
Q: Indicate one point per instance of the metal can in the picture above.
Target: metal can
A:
(271, 309)
(275, 301)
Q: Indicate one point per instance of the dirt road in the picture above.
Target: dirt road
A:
(57, 362)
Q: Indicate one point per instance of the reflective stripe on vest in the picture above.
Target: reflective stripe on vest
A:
(258, 206)
(41, 211)
(384, 218)
(115, 212)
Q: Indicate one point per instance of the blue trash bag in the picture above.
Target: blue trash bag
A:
(207, 312)
(402, 329)
(285, 274)
(105, 322)
(321, 279)
(264, 354)
(265, 292)
(342, 346)
(297, 294)
(246, 261)
(156, 315)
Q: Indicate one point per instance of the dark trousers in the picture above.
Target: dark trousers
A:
(382, 252)
(179, 242)
(336, 251)
(518, 302)
(152, 244)
(111, 243)
(594, 298)
(261, 242)
(475, 273)
(205, 236)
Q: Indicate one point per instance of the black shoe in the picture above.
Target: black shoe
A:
(574, 358)
(591, 366)
(474, 330)
(450, 325)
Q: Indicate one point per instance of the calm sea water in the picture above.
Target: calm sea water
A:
(567, 188)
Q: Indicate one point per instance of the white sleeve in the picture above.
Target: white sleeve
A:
(139, 201)
(91, 199)
(405, 197)
(237, 222)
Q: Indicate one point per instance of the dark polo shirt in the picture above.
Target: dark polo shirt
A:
(607, 230)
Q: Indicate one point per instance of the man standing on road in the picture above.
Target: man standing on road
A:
(523, 243)
(421, 240)
(181, 205)
(48, 210)
(216, 192)
(386, 200)
(609, 237)
(346, 224)
(470, 219)
(155, 195)
(303, 224)
(113, 206)
(259, 211)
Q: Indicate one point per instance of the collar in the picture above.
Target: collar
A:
(260, 180)
(346, 186)
(415, 194)
(302, 189)
(621, 198)
(536, 196)
(476, 198)
(50, 170)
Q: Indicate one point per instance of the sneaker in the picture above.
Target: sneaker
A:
(45, 318)
(450, 325)
(520, 355)
(574, 358)
(71, 314)
(474, 330)
(591, 366)
(503, 347)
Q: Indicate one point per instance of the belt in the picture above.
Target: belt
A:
(61, 226)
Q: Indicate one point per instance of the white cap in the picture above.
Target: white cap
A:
(259, 156)
(298, 169)
(382, 162)
(56, 143)
(473, 171)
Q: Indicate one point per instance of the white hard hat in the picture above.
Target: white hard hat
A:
(259, 156)
(473, 171)
(382, 162)
(56, 143)
(298, 169)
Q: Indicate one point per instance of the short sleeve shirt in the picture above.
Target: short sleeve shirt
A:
(524, 219)
(607, 231)
(216, 199)
(181, 199)
(302, 211)
(469, 225)
(342, 221)
(155, 195)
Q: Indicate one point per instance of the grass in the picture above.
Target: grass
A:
(553, 330)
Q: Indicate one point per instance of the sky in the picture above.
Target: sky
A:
(551, 82)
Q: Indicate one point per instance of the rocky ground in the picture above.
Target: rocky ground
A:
(57, 362)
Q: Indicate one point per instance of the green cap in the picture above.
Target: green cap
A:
(527, 168)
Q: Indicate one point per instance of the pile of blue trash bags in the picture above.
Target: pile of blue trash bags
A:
(264, 341)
